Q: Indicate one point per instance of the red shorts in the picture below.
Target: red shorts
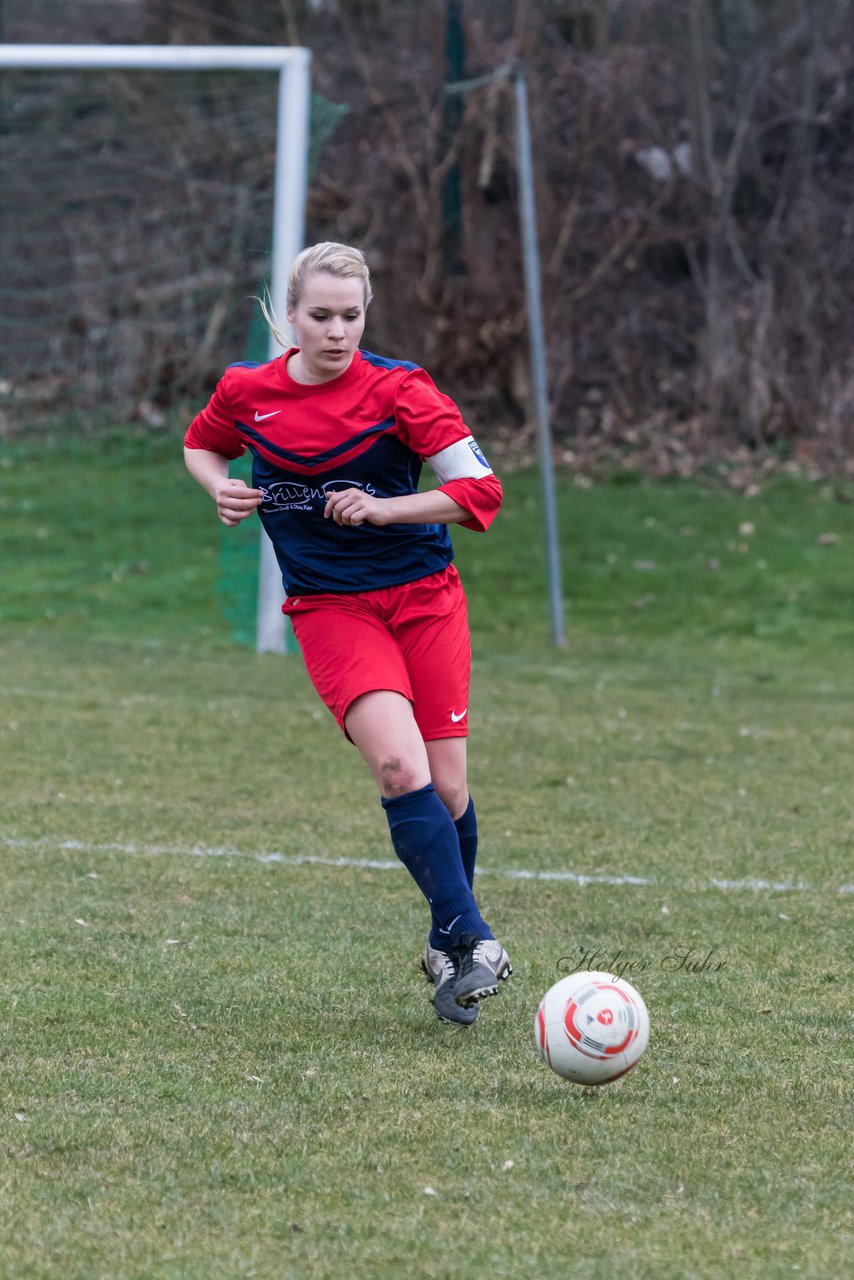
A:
(413, 639)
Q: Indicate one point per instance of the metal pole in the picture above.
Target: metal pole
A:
(533, 295)
(273, 635)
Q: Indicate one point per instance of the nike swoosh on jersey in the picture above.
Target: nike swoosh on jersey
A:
(457, 718)
(259, 417)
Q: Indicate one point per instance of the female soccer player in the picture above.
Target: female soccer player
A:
(338, 437)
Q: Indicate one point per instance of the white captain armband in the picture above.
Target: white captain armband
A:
(460, 461)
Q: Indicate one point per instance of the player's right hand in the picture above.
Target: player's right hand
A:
(235, 501)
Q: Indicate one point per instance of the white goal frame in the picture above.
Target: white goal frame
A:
(290, 186)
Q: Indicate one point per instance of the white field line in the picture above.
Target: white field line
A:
(391, 864)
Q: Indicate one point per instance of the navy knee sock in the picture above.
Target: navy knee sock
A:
(466, 826)
(426, 841)
(467, 835)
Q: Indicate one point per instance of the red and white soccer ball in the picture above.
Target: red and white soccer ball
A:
(591, 1027)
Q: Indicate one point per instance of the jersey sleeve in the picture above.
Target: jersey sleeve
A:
(214, 427)
(481, 497)
(431, 425)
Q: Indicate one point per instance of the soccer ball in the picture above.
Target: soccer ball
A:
(591, 1027)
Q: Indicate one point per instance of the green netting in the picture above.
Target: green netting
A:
(134, 224)
(239, 546)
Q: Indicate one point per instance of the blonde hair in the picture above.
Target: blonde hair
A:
(335, 259)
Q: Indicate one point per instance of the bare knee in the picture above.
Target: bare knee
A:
(398, 776)
(447, 757)
(454, 796)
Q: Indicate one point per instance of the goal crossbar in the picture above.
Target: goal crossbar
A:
(140, 57)
(291, 180)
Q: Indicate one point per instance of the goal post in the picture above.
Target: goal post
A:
(292, 64)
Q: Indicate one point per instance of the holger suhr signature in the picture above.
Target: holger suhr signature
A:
(681, 959)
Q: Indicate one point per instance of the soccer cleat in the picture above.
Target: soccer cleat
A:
(440, 968)
(481, 964)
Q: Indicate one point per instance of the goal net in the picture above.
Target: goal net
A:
(141, 211)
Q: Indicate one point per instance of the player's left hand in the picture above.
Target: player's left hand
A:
(355, 507)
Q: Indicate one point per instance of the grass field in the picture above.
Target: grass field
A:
(218, 1059)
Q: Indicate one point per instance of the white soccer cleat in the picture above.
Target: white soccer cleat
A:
(481, 964)
(441, 969)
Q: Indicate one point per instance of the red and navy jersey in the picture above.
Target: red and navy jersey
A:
(370, 428)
